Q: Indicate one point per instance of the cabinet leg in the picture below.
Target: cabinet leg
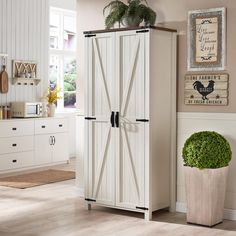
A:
(89, 207)
(148, 215)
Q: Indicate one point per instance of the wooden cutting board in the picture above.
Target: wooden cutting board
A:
(3, 80)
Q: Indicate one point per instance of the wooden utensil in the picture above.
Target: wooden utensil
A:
(3, 80)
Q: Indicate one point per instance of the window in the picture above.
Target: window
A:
(62, 68)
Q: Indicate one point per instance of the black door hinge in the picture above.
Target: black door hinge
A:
(142, 31)
(142, 120)
(90, 118)
(90, 200)
(90, 35)
(142, 208)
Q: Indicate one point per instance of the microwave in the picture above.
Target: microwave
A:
(26, 109)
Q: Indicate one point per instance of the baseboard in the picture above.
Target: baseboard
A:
(229, 214)
(181, 207)
(206, 116)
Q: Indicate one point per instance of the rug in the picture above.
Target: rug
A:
(36, 178)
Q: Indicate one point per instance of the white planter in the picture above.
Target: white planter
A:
(205, 191)
(51, 110)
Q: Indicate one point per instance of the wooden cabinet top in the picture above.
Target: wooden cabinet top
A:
(129, 28)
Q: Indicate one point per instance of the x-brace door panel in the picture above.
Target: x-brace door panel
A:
(130, 164)
(100, 149)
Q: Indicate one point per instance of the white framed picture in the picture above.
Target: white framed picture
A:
(206, 39)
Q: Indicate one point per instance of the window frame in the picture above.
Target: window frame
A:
(62, 53)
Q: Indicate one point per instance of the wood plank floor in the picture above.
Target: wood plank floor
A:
(56, 210)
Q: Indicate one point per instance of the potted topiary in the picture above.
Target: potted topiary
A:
(131, 14)
(206, 158)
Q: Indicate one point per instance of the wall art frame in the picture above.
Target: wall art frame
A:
(206, 39)
(206, 89)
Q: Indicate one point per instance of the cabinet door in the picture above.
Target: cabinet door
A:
(130, 166)
(60, 147)
(43, 149)
(99, 135)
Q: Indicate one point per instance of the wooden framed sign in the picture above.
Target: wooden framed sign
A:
(206, 39)
(206, 89)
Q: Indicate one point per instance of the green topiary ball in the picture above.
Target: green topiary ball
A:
(206, 149)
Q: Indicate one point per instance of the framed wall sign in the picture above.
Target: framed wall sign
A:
(206, 39)
(206, 89)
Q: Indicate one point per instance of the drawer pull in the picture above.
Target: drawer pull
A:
(14, 129)
(14, 145)
(60, 125)
(43, 126)
(14, 161)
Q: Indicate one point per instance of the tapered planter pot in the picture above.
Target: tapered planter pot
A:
(51, 110)
(205, 191)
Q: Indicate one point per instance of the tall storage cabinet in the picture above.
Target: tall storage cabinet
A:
(130, 118)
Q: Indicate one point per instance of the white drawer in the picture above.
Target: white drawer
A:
(54, 125)
(16, 160)
(16, 144)
(16, 128)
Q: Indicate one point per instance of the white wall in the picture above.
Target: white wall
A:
(24, 36)
(64, 4)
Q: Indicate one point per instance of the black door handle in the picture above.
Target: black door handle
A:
(90, 118)
(142, 120)
(117, 119)
(112, 119)
(54, 140)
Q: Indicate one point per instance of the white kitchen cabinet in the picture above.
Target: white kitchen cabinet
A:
(55, 148)
(16, 144)
(51, 125)
(130, 118)
(52, 135)
(31, 143)
(10, 128)
(60, 147)
(12, 161)
(43, 149)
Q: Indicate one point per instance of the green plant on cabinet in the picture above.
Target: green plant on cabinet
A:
(131, 14)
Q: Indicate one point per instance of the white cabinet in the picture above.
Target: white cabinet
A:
(51, 125)
(16, 144)
(32, 143)
(60, 147)
(12, 161)
(52, 135)
(12, 128)
(130, 112)
(43, 149)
